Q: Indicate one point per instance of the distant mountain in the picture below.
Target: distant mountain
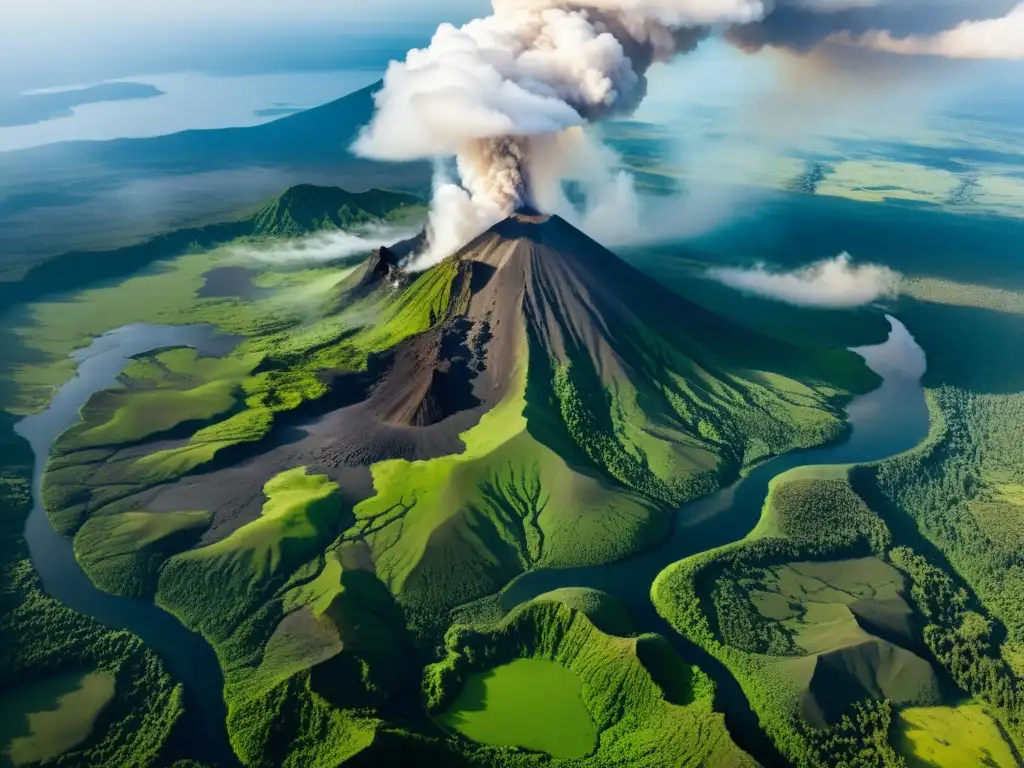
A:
(73, 195)
(321, 135)
(299, 210)
(308, 208)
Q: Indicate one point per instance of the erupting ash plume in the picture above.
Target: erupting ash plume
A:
(499, 93)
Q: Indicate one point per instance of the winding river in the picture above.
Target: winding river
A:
(890, 420)
(887, 421)
(188, 657)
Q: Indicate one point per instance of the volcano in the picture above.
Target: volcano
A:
(537, 401)
(409, 448)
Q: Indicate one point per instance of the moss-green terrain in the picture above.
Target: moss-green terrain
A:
(949, 737)
(379, 450)
(808, 617)
(500, 706)
(642, 716)
(55, 715)
(322, 594)
(69, 687)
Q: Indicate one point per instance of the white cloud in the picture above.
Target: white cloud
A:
(319, 248)
(1001, 38)
(828, 283)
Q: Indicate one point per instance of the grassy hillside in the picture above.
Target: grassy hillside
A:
(638, 722)
(300, 210)
(814, 636)
(877, 628)
(307, 208)
(947, 737)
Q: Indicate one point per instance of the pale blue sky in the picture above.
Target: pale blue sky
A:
(56, 42)
(48, 43)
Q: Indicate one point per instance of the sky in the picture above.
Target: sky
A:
(46, 43)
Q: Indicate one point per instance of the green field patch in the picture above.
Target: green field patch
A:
(43, 720)
(219, 587)
(951, 737)
(38, 337)
(547, 675)
(814, 622)
(122, 553)
(158, 393)
(296, 515)
(530, 703)
(817, 598)
(45, 333)
(169, 464)
(144, 414)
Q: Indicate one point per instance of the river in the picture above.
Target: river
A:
(889, 420)
(188, 657)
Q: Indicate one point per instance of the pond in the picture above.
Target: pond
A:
(531, 703)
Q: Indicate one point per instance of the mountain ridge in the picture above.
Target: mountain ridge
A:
(299, 210)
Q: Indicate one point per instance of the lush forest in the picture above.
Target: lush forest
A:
(40, 639)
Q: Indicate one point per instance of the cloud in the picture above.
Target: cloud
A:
(828, 283)
(324, 247)
(1000, 38)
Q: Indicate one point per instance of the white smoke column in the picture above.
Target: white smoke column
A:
(487, 91)
(611, 213)
(455, 219)
(1001, 38)
(494, 91)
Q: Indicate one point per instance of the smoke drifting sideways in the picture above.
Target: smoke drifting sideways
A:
(499, 103)
(832, 283)
(323, 248)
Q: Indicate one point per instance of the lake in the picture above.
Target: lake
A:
(192, 100)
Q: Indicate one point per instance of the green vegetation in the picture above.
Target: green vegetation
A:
(122, 553)
(307, 208)
(157, 282)
(216, 587)
(950, 737)
(581, 462)
(636, 724)
(960, 487)
(297, 211)
(326, 606)
(812, 635)
(501, 706)
(53, 716)
(520, 503)
(96, 694)
(607, 613)
(161, 392)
